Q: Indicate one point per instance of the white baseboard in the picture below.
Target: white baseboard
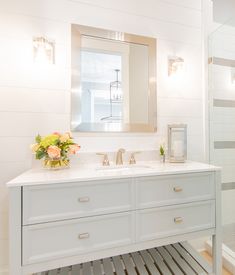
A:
(199, 244)
(200, 250)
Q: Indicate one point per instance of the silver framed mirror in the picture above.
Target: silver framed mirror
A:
(113, 81)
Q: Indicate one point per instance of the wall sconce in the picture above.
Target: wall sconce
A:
(175, 65)
(233, 76)
(43, 50)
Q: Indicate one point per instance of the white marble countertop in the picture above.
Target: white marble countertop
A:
(90, 173)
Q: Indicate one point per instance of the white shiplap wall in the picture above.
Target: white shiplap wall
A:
(35, 99)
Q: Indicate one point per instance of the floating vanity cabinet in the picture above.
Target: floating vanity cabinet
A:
(59, 220)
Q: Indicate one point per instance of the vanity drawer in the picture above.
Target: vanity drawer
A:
(54, 240)
(46, 203)
(173, 220)
(167, 190)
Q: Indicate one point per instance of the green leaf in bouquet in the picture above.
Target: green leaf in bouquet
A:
(57, 142)
(38, 138)
(40, 154)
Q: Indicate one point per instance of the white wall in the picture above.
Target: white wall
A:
(36, 99)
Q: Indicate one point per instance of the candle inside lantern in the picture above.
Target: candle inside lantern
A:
(178, 148)
(177, 142)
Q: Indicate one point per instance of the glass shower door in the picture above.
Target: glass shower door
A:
(222, 127)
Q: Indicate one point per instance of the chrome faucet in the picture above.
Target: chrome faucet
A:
(119, 160)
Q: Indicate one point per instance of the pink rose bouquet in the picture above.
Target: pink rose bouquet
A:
(55, 149)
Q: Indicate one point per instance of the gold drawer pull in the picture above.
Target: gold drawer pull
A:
(84, 199)
(178, 220)
(178, 189)
(83, 236)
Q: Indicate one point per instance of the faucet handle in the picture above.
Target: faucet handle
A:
(105, 159)
(132, 158)
(121, 150)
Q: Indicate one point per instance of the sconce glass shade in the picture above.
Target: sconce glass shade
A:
(175, 65)
(177, 142)
(43, 51)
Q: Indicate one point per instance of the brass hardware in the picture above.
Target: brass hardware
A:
(119, 160)
(178, 220)
(178, 189)
(105, 159)
(84, 199)
(132, 158)
(83, 236)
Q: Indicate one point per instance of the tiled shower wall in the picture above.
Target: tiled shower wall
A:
(222, 113)
(36, 99)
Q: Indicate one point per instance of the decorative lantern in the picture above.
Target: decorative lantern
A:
(177, 142)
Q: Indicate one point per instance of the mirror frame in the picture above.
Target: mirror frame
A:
(77, 31)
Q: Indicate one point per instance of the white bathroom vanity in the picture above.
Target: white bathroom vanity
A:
(66, 217)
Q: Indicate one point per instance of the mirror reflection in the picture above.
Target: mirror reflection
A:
(114, 85)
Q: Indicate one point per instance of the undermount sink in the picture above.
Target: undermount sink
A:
(123, 167)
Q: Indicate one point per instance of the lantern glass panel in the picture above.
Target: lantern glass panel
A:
(177, 143)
